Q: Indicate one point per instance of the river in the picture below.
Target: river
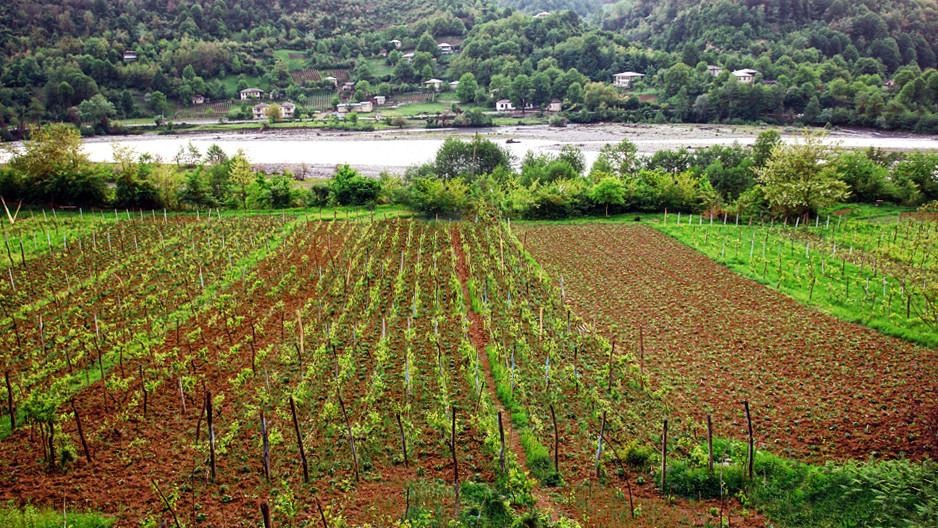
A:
(318, 153)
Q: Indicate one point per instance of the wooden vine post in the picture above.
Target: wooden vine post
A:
(455, 467)
(265, 513)
(211, 429)
(400, 427)
(348, 429)
(709, 443)
(501, 439)
(299, 322)
(611, 352)
(266, 446)
(751, 445)
(664, 455)
(641, 357)
(599, 448)
(81, 433)
(299, 440)
(553, 418)
(10, 402)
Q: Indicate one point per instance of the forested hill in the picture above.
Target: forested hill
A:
(43, 22)
(896, 32)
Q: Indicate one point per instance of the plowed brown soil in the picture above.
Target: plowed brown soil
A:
(819, 387)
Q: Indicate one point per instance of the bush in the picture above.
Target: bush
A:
(348, 187)
(431, 196)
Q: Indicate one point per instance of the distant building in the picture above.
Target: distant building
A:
(624, 79)
(199, 99)
(364, 106)
(396, 43)
(380, 99)
(251, 93)
(445, 49)
(130, 56)
(260, 110)
(333, 80)
(745, 75)
(433, 83)
(504, 105)
(555, 106)
(287, 109)
(409, 56)
(542, 14)
(453, 85)
(714, 70)
(348, 87)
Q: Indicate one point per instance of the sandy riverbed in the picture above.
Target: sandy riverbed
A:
(317, 153)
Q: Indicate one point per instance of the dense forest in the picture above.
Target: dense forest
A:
(868, 63)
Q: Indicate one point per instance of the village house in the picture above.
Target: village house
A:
(260, 110)
(130, 56)
(286, 110)
(625, 79)
(453, 85)
(409, 56)
(433, 83)
(379, 100)
(396, 43)
(714, 70)
(542, 14)
(445, 49)
(745, 75)
(251, 93)
(364, 106)
(348, 87)
(504, 105)
(555, 105)
(333, 80)
(199, 99)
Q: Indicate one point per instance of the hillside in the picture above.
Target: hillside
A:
(897, 32)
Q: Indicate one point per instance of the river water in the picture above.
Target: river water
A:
(395, 150)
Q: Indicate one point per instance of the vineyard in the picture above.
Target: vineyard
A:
(301, 371)
(213, 367)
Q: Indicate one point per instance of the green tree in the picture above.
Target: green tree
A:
(519, 92)
(426, 44)
(240, 178)
(351, 188)
(798, 180)
(608, 191)
(467, 88)
(762, 148)
(54, 168)
(866, 179)
(97, 110)
(273, 112)
(599, 94)
(620, 159)
(469, 158)
(158, 103)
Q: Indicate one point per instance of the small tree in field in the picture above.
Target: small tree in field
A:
(608, 191)
(273, 112)
(799, 179)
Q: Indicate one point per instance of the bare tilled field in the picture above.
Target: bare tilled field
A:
(818, 388)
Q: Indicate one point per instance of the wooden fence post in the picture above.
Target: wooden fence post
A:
(266, 446)
(299, 440)
(749, 425)
(664, 455)
(211, 429)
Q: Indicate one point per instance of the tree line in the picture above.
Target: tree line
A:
(770, 178)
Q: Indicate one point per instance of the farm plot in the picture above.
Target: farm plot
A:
(198, 368)
(819, 388)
